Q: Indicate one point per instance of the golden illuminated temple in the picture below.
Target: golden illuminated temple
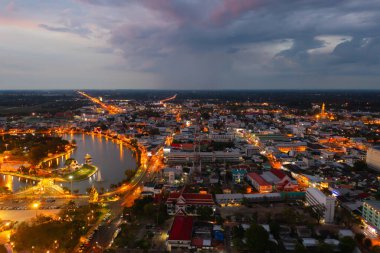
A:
(324, 115)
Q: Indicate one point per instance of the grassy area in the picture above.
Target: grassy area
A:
(81, 174)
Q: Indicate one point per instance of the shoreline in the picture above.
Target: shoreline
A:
(137, 150)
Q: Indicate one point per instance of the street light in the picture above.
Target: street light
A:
(71, 184)
(36, 205)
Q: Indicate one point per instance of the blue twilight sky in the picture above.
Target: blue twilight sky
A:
(189, 44)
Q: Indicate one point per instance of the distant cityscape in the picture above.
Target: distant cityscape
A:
(110, 171)
(189, 126)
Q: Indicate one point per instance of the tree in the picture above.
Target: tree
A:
(245, 202)
(129, 174)
(346, 217)
(300, 248)
(255, 216)
(139, 204)
(37, 153)
(205, 212)
(367, 243)
(324, 248)
(257, 238)
(359, 237)
(360, 166)
(347, 244)
(375, 249)
(317, 211)
(274, 228)
(149, 209)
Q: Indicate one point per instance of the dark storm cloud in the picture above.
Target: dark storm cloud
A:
(219, 43)
(223, 28)
(364, 51)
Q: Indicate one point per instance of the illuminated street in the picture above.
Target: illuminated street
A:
(158, 126)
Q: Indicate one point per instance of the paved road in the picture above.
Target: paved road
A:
(104, 236)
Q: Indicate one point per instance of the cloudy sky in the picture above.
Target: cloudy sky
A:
(190, 44)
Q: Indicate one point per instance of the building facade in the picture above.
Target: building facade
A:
(260, 184)
(187, 203)
(373, 158)
(371, 213)
(321, 203)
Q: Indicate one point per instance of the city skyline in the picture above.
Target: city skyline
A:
(162, 44)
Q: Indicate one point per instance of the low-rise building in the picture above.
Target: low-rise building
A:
(238, 175)
(180, 233)
(260, 184)
(292, 146)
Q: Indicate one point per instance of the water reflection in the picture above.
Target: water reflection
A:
(111, 157)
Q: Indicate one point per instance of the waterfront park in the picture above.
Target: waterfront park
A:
(51, 161)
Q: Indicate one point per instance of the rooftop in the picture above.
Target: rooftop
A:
(181, 229)
(259, 179)
(373, 203)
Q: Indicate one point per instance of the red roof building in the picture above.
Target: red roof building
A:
(181, 231)
(278, 173)
(186, 203)
(259, 183)
(285, 183)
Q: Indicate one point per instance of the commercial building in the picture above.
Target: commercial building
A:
(222, 137)
(373, 158)
(371, 213)
(260, 184)
(321, 203)
(237, 198)
(292, 146)
(217, 156)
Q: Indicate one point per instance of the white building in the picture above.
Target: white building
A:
(222, 137)
(373, 158)
(321, 203)
(217, 156)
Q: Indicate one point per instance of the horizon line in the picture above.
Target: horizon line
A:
(173, 89)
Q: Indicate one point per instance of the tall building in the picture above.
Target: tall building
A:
(321, 203)
(373, 158)
(371, 213)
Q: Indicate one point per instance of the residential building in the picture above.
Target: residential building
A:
(238, 175)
